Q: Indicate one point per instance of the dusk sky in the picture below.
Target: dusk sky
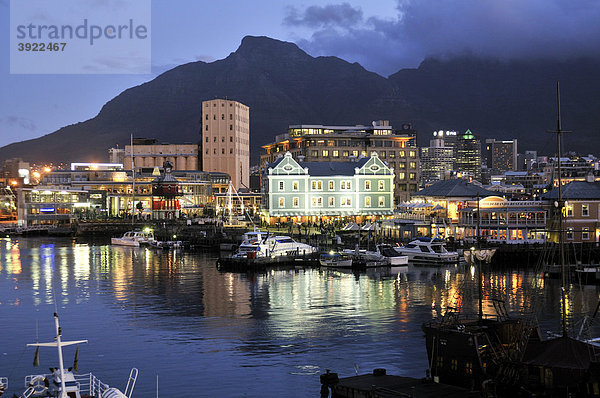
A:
(383, 36)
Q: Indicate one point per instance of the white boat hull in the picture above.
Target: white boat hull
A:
(124, 242)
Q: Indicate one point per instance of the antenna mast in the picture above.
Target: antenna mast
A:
(133, 185)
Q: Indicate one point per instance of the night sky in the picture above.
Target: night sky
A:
(383, 36)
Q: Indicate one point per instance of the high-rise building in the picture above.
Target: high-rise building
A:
(467, 155)
(437, 160)
(226, 139)
(319, 143)
(500, 155)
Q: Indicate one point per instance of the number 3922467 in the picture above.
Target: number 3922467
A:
(41, 46)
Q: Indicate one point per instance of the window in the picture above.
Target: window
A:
(412, 176)
(222, 139)
(206, 117)
(206, 127)
(231, 127)
(222, 151)
(345, 154)
(281, 185)
(570, 233)
(401, 176)
(206, 139)
(325, 153)
(230, 139)
(585, 233)
(296, 201)
(381, 201)
(585, 210)
(367, 201)
(336, 154)
(331, 201)
(569, 210)
(317, 185)
(381, 185)
(367, 185)
(346, 201)
(346, 185)
(215, 151)
(331, 185)
(281, 202)
(214, 117)
(412, 154)
(454, 364)
(392, 154)
(317, 201)
(413, 165)
(214, 139)
(402, 154)
(230, 116)
(295, 186)
(231, 151)
(355, 154)
(314, 154)
(222, 116)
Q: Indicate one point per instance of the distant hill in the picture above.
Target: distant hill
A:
(283, 85)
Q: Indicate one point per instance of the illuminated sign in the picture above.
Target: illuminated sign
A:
(47, 210)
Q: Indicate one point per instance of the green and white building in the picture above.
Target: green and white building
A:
(307, 191)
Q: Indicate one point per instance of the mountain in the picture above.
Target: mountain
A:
(283, 85)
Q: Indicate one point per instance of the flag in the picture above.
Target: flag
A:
(36, 357)
(76, 360)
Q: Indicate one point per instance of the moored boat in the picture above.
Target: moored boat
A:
(273, 246)
(428, 251)
(65, 383)
(333, 259)
(134, 239)
(392, 257)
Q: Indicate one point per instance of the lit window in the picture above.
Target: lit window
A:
(296, 201)
(412, 154)
(381, 201)
(331, 186)
(355, 153)
(569, 210)
(585, 210)
(346, 201)
(325, 153)
(570, 233)
(367, 185)
(336, 154)
(367, 201)
(585, 233)
(281, 202)
(331, 202)
(381, 185)
(295, 186)
(281, 185)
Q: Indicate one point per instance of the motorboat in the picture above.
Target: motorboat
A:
(273, 246)
(392, 257)
(428, 250)
(65, 383)
(134, 238)
(366, 258)
(334, 259)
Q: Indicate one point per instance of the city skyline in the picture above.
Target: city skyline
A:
(383, 37)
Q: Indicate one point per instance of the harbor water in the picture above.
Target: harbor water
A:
(196, 331)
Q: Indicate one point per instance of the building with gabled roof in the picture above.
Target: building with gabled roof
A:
(307, 191)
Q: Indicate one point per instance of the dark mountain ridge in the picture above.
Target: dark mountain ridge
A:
(283, 85)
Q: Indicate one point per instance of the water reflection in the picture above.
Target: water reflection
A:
(176, 314)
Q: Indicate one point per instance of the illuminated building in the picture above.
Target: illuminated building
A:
(437, 161)
(307, 191)
(225, 141)
(320, 143)
(500, 155)
(467, 156)
(165, 195)
(582, 208)
(149, 153)
(50, 206)
(503, 221)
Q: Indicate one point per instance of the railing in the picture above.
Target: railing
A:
(86, 383)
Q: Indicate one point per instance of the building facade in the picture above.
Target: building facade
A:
(500, 155)
(467, 156)
(226, 139)
(148, 153)
(320, 143)
(437, 161)
(307, 191)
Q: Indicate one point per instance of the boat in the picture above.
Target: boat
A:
(273, 246)
(334, 259)
(166, 244)
(561, 365)
(65, 383)
(365, 258)
(393, 258)
(134, 238)
(428, 251)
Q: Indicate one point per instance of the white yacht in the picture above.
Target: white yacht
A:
(366, 258)
(134, 238)
(429, 251)
(273, 246)
(392, 257)
(64, 383)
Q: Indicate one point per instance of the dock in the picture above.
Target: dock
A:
(381, 385)
(261, 263)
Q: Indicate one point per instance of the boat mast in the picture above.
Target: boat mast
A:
(478, 263)
(560, 204)
(133, 186)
